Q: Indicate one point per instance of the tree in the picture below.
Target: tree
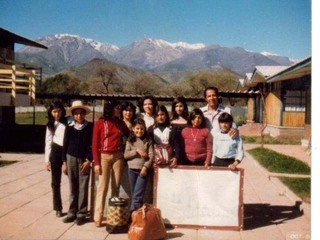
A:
(107, 75)
(177, 89)
(61, 83)
(222, 79)
(144, 84)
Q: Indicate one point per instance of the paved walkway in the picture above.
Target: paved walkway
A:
(272, 211)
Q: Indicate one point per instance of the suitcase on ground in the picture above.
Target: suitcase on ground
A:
(117, 216)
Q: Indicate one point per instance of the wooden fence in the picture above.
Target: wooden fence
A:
(18, 79)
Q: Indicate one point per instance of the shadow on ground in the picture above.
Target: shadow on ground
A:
(174, 235)
(260, 215)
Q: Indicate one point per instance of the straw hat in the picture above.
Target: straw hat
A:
(77, 104)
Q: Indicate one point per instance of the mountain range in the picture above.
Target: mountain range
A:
(163, 58)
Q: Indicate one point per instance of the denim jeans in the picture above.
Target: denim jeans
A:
(138, 186)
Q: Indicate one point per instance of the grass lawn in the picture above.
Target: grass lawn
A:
(279, 163)
(271, 140)
(27, 118)
(5, 163)
(300, 186)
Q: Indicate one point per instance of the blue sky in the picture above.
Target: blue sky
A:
(277, 26)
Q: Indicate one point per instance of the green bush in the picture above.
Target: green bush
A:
(240, 121)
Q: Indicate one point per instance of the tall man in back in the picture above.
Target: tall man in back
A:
(213, 110)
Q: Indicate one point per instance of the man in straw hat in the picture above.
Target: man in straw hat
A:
(77, 157)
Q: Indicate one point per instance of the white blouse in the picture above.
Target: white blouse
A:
(161, 137)
(57, 138)
(149, 120)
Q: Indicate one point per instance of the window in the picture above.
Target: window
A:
(295, 101)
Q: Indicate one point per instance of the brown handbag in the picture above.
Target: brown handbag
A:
(163, 154)
(147, 224)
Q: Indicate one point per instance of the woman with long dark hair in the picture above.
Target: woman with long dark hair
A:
(128, 113)
(56, 126)
(179, 117)
(179, 111)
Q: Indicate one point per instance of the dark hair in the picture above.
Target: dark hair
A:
(162, 108)
(210, 88)
(54, 105)
(139, 121)
(192, 116)
(141, 101)
(225, 118)
(108, 108)
(126, 106)
(175, 101)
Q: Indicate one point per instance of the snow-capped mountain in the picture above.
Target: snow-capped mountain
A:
(277, 58)
(71, 51)
(149, 53)
(65, 51)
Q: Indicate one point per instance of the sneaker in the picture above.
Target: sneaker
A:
(114, 199)
(69, 219)
(117, 199)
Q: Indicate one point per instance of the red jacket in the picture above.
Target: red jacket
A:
(197, 144)
(108, 137)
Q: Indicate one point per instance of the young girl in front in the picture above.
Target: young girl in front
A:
(197, 140)
(53, 150)
(139, 155)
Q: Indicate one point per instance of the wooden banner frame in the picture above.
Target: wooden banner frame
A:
(198, 197)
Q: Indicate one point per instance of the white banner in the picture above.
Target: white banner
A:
(200, 197)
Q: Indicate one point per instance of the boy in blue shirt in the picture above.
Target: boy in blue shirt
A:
(227, 151)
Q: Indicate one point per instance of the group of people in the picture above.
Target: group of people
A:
(206, 136)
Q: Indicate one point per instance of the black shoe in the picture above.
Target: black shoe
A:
(69, 219)
(59, 213)
(80, 220)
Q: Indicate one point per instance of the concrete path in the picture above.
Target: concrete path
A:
(272, 211)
